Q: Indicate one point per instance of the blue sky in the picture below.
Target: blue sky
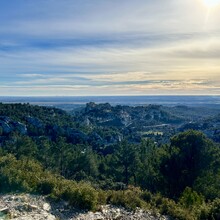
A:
(109, 47)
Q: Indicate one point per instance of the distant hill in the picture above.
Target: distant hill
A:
(104, 124)
(153, 121)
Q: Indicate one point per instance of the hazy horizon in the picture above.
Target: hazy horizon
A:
(109, 48)
(69, 102)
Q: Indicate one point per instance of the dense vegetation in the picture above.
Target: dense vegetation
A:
(180, 178)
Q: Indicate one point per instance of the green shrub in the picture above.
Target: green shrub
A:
(46, 186)
(82, 196)
(146, 196)
(211, 211)
(170, 208)
(19, 175)
(215, 209)
(190, 198)
(102, 197)
(128, 198)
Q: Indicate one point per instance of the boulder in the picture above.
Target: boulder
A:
(35, 122)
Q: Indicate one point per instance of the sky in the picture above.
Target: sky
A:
(109, 47)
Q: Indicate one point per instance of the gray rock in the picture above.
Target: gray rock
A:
(35, 122)
(9, 126)
(31, 207)
(20, 127)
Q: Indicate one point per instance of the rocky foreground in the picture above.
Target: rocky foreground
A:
(31, 207)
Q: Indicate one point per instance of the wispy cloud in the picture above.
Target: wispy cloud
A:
(119, 47)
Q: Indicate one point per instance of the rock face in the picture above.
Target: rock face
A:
(8, 125)
(31, 207)
(125, 116)
(35, 122)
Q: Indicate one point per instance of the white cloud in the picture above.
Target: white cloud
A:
(169, 45)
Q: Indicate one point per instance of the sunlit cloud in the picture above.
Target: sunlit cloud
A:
(109, 47)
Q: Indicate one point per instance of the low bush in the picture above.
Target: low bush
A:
(190, 198)
(211, 211)
(81, 196)
(130, 199)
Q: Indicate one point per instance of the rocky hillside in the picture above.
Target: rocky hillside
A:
(101, 125)
(128, 116)
(151, 121)
(32, 207)
(36, 121)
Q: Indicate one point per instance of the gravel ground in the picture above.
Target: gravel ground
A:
(32, 207)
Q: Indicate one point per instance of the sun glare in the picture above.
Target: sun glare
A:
(211, 3)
